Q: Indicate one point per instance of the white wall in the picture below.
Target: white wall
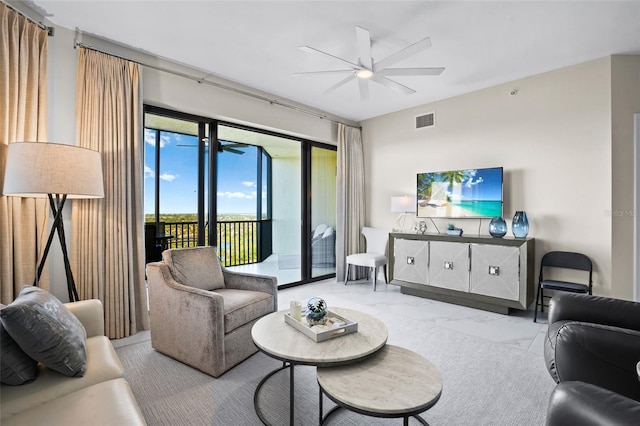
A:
(625, 95)
(181, 94)
(553, 139)
(637, 207)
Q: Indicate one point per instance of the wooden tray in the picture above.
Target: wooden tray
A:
(322, 333)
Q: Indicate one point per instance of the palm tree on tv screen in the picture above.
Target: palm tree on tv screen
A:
(424, 184)
(453, 177)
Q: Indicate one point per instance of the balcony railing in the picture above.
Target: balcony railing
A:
(237, 241)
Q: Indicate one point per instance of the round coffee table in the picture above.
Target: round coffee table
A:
(281, 341)
(395, 382)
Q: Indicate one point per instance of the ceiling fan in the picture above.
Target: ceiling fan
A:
(223, 146)
(366, 69)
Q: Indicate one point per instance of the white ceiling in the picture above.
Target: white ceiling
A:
(481, 43)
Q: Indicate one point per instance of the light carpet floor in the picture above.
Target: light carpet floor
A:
(485, 382)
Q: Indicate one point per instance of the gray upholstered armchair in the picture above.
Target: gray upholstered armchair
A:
(201, 314)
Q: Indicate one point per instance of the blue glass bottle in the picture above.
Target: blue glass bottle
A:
(498, 227)
(520, 224)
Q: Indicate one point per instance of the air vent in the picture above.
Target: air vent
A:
(426, 120)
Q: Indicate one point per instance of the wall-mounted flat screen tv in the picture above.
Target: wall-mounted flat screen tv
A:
(471, 193)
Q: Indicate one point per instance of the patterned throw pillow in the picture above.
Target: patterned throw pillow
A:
(47, 331)
(17, 367)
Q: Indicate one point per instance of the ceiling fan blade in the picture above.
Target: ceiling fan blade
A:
(403, 54)
(312, 50)
(392, 84)
(340, 83)
(229, 144)
(364, 47)
(411, 71)
(322, 72)
(364, 89)
(235, 151)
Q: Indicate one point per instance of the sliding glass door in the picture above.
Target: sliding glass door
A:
(174, 182)
(323, 211)
(271, 207)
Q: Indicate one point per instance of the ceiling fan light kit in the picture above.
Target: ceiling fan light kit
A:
(364, 73)
(366, 69)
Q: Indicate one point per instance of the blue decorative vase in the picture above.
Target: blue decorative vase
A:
(498, 227)
(316, 311)
(520, 224)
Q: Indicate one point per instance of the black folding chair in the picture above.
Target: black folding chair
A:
(566, 260)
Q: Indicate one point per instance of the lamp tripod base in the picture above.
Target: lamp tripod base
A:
(56, 207)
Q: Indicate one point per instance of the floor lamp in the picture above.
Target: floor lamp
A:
(58, 172)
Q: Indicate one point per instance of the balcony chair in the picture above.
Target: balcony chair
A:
(563, 260)
(323, 247)
(374, 257)
(152, 248)
(201, 314)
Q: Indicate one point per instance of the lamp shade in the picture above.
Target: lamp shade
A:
(404, 204)
(36, 169)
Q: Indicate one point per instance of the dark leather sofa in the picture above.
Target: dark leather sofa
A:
(592, 350)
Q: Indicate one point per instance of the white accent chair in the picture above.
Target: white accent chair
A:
(374, 257)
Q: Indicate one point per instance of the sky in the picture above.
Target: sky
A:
(178, 176)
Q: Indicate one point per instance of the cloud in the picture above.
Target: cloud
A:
(243, 195)
(248, 184)
(472, 182)
(150, 138)
(169, 177)
(149, 173)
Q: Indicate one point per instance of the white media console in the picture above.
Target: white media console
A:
(494, 274)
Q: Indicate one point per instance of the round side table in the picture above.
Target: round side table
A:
(281, 341)
(393, 383)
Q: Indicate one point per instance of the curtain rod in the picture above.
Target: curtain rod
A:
(50, 30)
(203, 80)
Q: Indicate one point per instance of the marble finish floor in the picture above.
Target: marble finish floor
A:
(515, 330)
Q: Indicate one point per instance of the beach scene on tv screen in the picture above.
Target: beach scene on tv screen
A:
(460, 193)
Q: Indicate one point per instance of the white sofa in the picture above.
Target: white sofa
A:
(101, 397)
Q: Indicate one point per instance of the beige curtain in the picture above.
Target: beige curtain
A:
(107, 252)
(351, 203)
(23, 117)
